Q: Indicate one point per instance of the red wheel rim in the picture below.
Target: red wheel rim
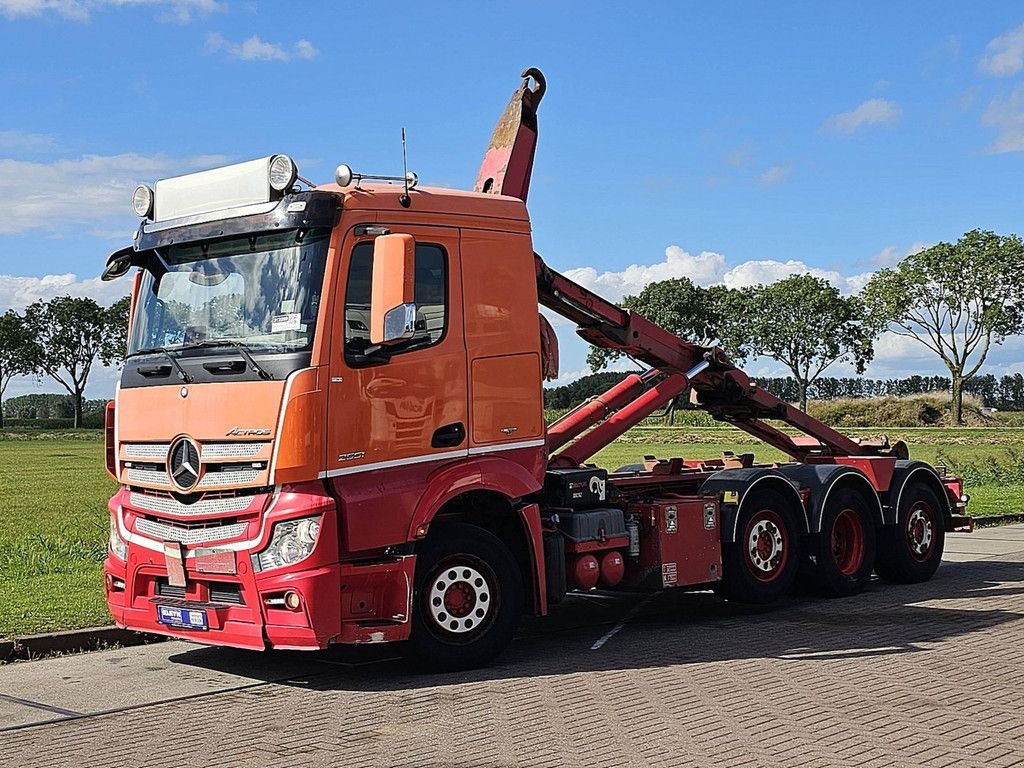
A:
(920, 531)
(766, 545)
(848, 542)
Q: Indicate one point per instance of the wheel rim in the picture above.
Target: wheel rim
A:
(848, 542)
(765, 547)
(920, 531)
(460, 598)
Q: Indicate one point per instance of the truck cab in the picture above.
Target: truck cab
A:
(277, 462)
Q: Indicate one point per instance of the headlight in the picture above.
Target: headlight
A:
(291, 542)
(118, 546)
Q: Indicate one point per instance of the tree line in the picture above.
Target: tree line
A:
(1005, 393)
(61, 339)
(955, 299)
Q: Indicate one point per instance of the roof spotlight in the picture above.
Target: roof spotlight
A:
(282, 172)
(142, 201)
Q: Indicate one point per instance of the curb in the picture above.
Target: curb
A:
(87, 639)
(990, 521)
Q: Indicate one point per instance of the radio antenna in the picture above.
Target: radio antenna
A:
(405, 200)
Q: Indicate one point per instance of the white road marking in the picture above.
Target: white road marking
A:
(625, 620)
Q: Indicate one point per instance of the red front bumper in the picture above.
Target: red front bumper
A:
(338, 602)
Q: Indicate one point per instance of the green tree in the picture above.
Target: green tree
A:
(14, 344)
(699, 315)
(69, 335)
(807, 325)
(957, 299)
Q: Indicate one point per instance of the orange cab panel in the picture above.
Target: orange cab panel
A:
(506, 398)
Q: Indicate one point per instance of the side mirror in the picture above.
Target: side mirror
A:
(118, 264)
(392, 311)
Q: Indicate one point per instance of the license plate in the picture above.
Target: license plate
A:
(187, 618)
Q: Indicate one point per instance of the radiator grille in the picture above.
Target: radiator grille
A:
(226, 593)
(147, 450)
(220, 451)
(225, 505)
(229, 476)
(191, 536)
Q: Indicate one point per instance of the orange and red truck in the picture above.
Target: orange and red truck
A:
(329, 429)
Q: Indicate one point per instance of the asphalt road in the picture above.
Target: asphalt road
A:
(922, 675)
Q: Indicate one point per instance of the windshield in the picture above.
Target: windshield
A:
(260, 290)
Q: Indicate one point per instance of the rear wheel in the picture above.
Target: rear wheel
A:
(844, 551)
(910, 551)
(468, 598)
(762, 563)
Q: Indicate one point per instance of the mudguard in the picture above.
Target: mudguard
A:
(734, 486)
(907, 470)
(822, 479)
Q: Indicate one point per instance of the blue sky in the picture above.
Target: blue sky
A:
(730, 142)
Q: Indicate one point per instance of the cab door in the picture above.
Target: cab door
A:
(391, 421)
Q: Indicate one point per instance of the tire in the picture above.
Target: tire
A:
(762, 563)
(467, 599)
(910, 551)
(842, 555)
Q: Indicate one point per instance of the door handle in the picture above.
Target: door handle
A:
(449, 436)
(153, 370)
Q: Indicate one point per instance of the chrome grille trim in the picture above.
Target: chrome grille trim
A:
(165, 532)
(229, 477)
(169, 506)
(148, 476)
(147, 450)
(220, 451)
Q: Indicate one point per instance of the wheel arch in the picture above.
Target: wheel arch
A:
(743, 481)
(824, 479)
(489, 493)
(907, 470)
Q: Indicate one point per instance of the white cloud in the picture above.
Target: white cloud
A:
(255, 49)
(18, 292)
(705, 268)
(26, 142)
(180, 11)
(1004, 55)
(767, 271)
(93, 189)
(305, 50)
(891, 255)
(871, 112)
(1006, 115)
(775, 174)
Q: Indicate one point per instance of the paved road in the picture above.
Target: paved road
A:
(926, 675)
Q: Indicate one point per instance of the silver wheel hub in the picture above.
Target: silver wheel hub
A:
(919, 529)
(765, 545)
(459, 599)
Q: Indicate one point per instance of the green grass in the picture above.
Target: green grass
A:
(54, 491)
(53, 533)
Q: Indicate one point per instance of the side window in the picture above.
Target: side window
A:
(430, 295)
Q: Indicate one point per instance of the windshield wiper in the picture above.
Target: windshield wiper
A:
(182, 373)
(242, 348)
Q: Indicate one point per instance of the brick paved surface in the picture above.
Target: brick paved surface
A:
(925, 675)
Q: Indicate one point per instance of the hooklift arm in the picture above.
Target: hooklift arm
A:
(722, 389)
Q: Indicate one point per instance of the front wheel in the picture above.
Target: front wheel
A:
(468, 598)
(762, 563)
(910, 551)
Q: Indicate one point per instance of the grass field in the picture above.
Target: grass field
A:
(53, 533)
(54, 490)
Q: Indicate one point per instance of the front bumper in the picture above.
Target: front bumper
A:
(338, 602)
